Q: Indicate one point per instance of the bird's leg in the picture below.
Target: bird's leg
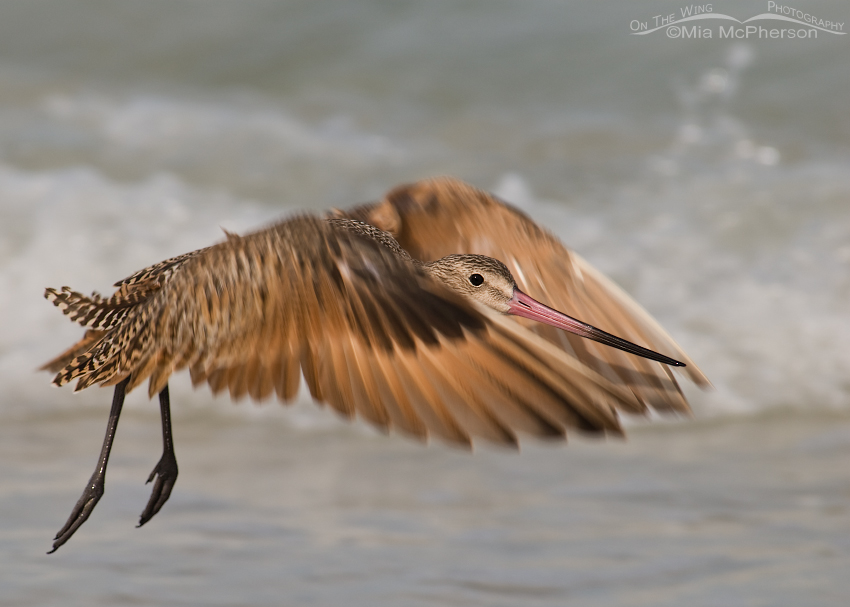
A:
(94, 490)
(165, 471)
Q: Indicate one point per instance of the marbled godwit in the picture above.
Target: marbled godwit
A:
(390, 310)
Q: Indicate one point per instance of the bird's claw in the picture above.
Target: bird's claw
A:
(83, 508)
(165, 473)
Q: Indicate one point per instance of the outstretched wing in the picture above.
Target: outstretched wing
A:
(372, 333)
(437, 217)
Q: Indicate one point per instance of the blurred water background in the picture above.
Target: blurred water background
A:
(710, 178)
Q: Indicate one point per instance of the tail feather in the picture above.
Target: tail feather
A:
(90, 367)
(98, 312)
(111, 356)
(63, 360)
(117, 336)
(114, 324)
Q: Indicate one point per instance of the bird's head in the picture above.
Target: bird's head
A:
(489, 282)
(483, 279)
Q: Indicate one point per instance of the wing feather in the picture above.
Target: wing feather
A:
(438, 217)
(427, 403)
(395, 398)
(459, 398)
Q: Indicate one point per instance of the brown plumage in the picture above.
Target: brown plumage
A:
(390, 311)
(437, 217)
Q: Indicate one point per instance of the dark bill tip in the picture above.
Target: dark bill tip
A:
(528, 307)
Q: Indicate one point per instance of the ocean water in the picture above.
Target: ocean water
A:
(709, 177)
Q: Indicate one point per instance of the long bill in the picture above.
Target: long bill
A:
(527, 307)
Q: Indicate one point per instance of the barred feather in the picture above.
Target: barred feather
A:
(161, 271)
(116, 322)
(63, 360)
(97, 312)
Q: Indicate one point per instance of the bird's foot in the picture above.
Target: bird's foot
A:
(165, 473)
(91, 494)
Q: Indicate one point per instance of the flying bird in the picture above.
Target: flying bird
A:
(415, 313)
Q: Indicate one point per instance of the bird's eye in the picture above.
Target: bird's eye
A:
(476, 279)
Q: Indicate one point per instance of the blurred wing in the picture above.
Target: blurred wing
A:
(434, 218)
(371, 332)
